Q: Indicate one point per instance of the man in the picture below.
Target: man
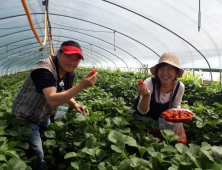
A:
(49, 85)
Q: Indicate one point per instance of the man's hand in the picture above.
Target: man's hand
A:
(88, 80)
(80, 108)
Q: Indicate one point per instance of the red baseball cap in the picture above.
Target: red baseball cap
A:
(72, 50)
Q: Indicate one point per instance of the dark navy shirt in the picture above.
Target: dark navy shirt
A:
(43, 78)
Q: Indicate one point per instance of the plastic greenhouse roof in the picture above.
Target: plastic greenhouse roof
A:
(115, 33)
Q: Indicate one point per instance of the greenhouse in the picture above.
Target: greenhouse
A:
(110, 85)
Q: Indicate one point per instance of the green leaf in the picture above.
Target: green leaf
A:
(211, 123)
(3, 147)
(50, 142)
(169, 148)
(136, 162)
(3, 139)
(102, 166)
(181, 148)
(102, 131)
(76, 163)
(207, 153)
(194, 149)
(63, 146)
(100, 153)
(156, 164)
(125, 164)
(200, 124)
(3, 122)
(169, 133)
(15, 164)
(2, 158)
(89, 129)
(117, 137)
(2, 131)
(12, 132)
(216, 167)
(11, 153)
(85, 166)
(59, 123)
(13, 121)
(118, 148)
(91, 152)
(217, 152)
(50, 134)
(79, 118)
(197, 162)
(70, 155)
(175, 161)
(25, 130)
(23, 145)
(49, 158)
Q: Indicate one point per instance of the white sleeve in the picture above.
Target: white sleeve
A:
(149, 84)
(179, 96)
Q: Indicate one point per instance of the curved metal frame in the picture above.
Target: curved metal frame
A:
(103, 41)
(122, 33)
(97, 47)
(165, 29)
(97, 55)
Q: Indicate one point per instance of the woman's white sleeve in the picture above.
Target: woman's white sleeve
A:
(149, 84)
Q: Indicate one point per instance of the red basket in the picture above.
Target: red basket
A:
(179, 120)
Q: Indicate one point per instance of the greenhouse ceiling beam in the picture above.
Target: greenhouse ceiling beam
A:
(35, 60)
(66, 37)
(95, 46)
(46, 49)
(30, 65)
(17, 48)
(94, 24)
(103, 41)
(104, 27)
(98, 57)
(30, 62)
(99, 54)
(13, 62)
(23, 54)
(165, 29)
(13, 58)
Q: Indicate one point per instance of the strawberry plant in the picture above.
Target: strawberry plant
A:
(111, 137)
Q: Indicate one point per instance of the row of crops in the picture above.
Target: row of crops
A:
(111, 138)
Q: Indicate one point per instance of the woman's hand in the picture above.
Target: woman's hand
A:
(143, 90)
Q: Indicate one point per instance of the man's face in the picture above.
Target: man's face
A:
(67, 62)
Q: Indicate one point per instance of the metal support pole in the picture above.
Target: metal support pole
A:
(194, 75)
(220, 77)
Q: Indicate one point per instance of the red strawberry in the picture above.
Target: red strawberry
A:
(93, 72)
(140, 82)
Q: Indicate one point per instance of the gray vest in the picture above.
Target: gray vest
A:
(30, 105)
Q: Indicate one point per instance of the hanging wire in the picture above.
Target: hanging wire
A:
(199, 17)
(114, 40)
(91, 48)
(2, 52)
(7, 52)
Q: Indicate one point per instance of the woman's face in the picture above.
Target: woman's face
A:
(167, 74)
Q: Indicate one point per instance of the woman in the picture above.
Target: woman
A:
(163, 91)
